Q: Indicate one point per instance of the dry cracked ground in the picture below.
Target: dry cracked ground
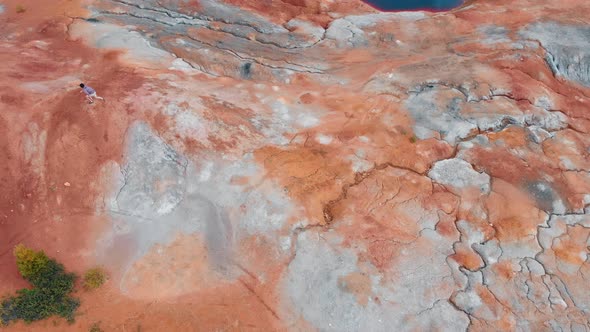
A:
(302, 165)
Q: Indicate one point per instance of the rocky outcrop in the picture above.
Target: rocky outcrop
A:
(566, 48)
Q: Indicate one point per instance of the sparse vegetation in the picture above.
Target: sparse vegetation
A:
(95, 327)
(413, 139)
(94, 278)
(51, 290)
(20, 9)
(30, 262)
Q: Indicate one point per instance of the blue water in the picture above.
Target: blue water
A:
(414, 4)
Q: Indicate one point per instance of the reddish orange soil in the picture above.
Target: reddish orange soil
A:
(38, 210)
(43, 213)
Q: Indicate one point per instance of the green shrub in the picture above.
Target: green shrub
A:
(94, 278)
(29, 262)
(35, 304)
(50, 295)
(20, 9)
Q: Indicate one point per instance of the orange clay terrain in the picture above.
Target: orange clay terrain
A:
(301, 165)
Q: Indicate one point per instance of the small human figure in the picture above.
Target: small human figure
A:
(90, 93)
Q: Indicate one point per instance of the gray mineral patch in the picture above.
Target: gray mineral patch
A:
(430, 117)
(545, 197)
(152, 205)
(161, 194)
(494, 34)
(416, 301)
(567, 46)
(459, 174)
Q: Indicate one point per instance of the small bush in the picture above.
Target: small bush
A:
(94, 278)
(95, 327)
(20, 9)
(50, 295)
(36, 304)
(413, 139)
(29, 262)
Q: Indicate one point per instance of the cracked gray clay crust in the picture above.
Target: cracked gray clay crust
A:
(424, 279)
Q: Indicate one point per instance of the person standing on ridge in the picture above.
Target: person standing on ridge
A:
(90, 93)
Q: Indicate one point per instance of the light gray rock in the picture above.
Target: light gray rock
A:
(151, 161)
(459, 174)
(370, 20)
(243, 45)
(538, 134)
(417, 300)
(346, 33)
(441, 317)
(567, 46)
(104, 35)
(218, 10)
(312, 31)
(431, 117)
(489, 251)
(494, 34)
(160, 195)
(568, 276)
(546, 197)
